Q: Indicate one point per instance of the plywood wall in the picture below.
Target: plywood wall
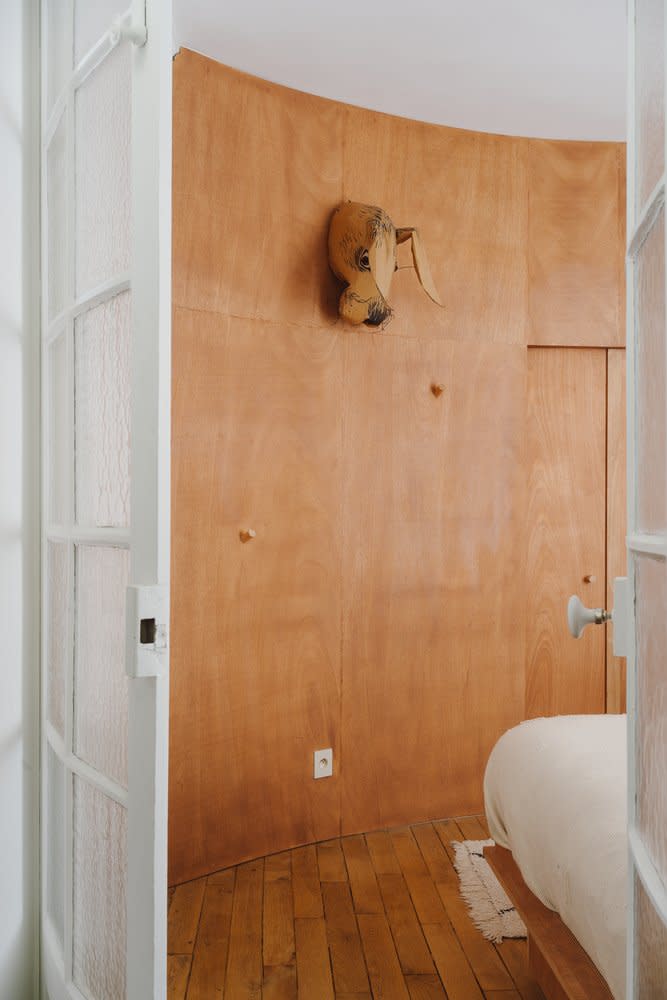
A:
(380, 607)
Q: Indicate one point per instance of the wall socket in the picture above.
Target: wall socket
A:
(323, 763)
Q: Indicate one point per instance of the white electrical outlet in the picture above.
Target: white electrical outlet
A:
(323, 763)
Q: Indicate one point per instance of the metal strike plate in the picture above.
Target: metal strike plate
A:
(147, 631)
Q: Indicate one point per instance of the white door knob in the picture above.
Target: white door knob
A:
(579, 616)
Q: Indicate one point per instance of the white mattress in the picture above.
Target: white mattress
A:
(555, 795)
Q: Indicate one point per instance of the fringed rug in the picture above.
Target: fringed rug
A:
(489, 906)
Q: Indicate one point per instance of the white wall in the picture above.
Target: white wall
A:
(19, 508)
(522, 67)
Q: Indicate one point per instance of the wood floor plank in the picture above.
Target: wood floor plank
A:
(365, 891)
(471, 828)
(514, 953)
(209, 963)
(278, 866)
(382, 853)
(312, 959)
(178, 970)
(485, 827)
(432, 851)
(244, 965)
(424, 895)
(407, 851)
(353, 996)
(501, 995)
(183, 918)
(306, 882)
(278, 922)
(347, 958)
(279, 983)
(331, 862)
(425, 988)
(410, 943)
(224, 878)
(448, 830)
(452, 965)
(481, 954)
(382, 961)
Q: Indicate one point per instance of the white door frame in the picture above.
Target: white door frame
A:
(638, 226)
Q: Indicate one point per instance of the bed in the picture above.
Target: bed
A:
(555, 797)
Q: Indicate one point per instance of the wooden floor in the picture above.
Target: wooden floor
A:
(374, 916)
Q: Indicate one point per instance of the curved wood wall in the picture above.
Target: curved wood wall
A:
(380, 609)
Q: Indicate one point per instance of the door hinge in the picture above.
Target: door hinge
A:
(147, 631)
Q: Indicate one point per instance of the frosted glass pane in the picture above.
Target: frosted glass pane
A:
(103, 126)
(59, 50)
(57, 650)
(99, 877)
(58, 432)
(100, 681)
(650, 948)
(651, 731)
(92, 20)
(55, 841)
(102, 415)
(650, 83)
(650, 402)
(56, 215)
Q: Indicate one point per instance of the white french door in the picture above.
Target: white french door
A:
(106, 261)
(647, 503)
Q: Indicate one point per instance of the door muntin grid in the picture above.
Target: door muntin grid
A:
(86, 107)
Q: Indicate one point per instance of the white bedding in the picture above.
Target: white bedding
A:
(555, 795)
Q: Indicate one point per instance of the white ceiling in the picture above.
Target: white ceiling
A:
(550, 68)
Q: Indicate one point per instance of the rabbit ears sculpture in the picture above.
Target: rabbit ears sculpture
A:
(362, 253)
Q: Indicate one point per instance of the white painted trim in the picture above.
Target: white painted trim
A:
(57, 988)
(647, 217)
(87, 65)
(640, 220)
(653, 545)
(84, 770)
(631, 213)
(30, 807)
(648, 874)
(107, 290)
(119, 537)
(151, 444)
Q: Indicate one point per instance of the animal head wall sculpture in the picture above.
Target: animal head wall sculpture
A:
(362, 253)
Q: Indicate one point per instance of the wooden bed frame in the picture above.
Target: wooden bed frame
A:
(560, 965)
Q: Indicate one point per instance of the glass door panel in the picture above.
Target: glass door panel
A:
(105, 130)
(649, 96)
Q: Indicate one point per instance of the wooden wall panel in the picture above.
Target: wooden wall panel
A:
(566, 446)
(257, 173)
(468, 194)
(433, 618)
(380, 608)
(576, 242)
(255, 626)
(616, 515)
